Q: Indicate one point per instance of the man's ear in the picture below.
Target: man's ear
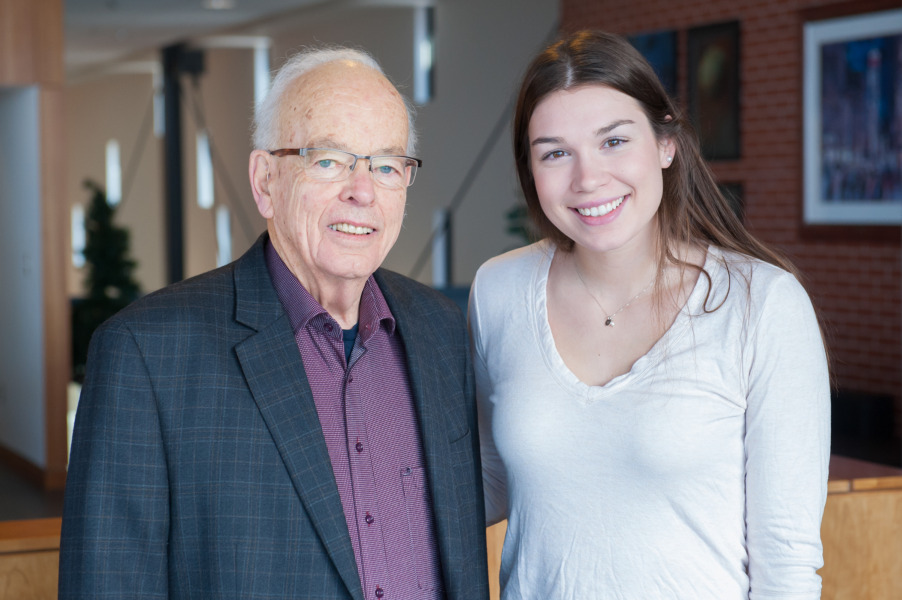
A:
(259, 172)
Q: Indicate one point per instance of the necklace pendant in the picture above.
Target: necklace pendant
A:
(609, 322)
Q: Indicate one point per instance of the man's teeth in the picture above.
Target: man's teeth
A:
(597, 211)
(353, 229)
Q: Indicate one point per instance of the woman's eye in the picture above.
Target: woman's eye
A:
(613, 143)
(554, 154)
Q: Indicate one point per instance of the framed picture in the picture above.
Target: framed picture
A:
(713, 53)
(853, 120)
(659, 49)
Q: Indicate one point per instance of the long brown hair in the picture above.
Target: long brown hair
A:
(693, 209)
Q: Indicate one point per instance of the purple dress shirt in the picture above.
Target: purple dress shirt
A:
(366, 410)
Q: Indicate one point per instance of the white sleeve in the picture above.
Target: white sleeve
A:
(494, 478)
(787, 444)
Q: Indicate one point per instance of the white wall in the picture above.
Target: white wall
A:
(21, 329)
(115, 107)
(482, 49)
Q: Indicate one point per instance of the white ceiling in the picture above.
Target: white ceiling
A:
(99, 32)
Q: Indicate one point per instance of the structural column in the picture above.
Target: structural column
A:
(31, 55)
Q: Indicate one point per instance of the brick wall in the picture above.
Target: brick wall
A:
(852, 273)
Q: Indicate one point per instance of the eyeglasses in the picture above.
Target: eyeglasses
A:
(328, 164)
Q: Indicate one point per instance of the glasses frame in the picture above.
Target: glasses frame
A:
(303, 152)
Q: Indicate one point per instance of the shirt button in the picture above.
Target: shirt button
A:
(369, 519)
(359, 446)
(328, 327)
(407, 471)
(379, 592)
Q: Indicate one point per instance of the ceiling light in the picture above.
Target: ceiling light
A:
(219, 4)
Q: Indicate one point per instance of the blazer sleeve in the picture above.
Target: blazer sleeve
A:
(116, 508)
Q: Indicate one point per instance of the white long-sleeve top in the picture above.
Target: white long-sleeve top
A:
(699, 474)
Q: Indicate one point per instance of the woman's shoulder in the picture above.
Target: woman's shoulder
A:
(760, 278)
(515, 264)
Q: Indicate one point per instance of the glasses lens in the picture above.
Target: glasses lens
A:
(393, 171)
(328, 165)
(389, 171)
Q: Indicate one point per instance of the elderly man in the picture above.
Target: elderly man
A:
(300, 423)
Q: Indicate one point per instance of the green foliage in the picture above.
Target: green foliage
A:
(109, 278)
(519, 225)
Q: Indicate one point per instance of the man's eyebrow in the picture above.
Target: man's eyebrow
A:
(328, 142)
(600, 131)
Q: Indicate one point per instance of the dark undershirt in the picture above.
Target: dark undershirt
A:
(349, 336)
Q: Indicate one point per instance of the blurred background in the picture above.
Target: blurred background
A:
(799, 106)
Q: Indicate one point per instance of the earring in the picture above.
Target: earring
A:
(669, 158)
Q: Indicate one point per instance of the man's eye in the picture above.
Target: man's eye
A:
(325, 163)
(386, 170)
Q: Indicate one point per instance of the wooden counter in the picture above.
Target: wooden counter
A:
(861, 531)
(29, 559)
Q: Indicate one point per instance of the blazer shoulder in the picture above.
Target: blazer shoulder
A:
(405, 294)
(188, 300)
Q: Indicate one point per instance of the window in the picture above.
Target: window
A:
(423, 54)
(205, 194)
(79, 236)
(113, 173)
(223, 236)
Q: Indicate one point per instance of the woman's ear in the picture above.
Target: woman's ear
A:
(667, 152)
(261, 178)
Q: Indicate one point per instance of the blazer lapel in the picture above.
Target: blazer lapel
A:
(275, 375)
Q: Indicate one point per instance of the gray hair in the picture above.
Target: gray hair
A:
(266, 114)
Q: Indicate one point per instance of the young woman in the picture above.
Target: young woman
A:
(653, 385)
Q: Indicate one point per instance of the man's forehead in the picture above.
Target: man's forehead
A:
(342, 92)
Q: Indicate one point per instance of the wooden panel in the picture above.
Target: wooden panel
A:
(29, 559)
(31, 42)
(16, 58)
(48, 33)
(494, 537)
(29, 576)
(55, 233)
(29, 535)
(862, 535)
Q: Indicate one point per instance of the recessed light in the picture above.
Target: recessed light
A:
(219, 4)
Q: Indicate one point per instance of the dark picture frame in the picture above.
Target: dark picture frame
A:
(660, 49)
(734, 192)
(713, 88)
(852, 92)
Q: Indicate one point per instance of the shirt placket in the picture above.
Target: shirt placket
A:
(369, 526)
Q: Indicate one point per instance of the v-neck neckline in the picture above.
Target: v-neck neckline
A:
(555, 363)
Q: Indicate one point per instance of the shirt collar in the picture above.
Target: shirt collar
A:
(302, 307)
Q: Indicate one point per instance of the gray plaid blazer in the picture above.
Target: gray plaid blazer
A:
(198, 466)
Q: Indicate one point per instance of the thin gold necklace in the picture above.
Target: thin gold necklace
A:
(609, 318)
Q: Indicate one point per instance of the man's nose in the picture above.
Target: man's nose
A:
(360, 182)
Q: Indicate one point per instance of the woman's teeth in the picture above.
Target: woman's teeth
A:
(603, 209)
